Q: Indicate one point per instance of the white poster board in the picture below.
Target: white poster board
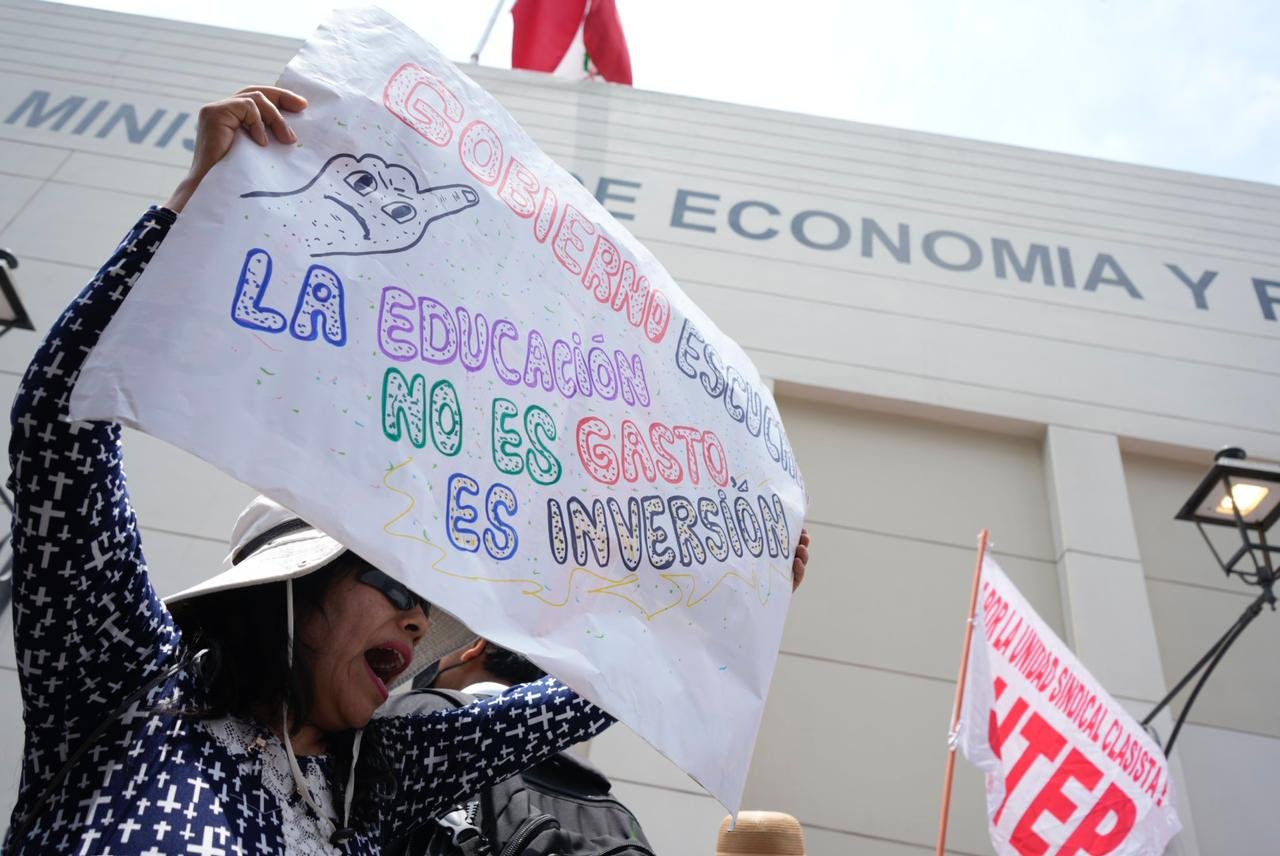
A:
(430, 341)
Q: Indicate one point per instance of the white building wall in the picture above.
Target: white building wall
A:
(857, 716)
(925, 400)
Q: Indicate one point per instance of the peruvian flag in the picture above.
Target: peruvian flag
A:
(581, 39)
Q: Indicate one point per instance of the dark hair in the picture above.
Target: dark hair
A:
(247, 671)
(508, 666)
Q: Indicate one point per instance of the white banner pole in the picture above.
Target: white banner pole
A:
(484, 40)
(955, 712)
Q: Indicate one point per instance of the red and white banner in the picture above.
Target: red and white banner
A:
(1068, 770)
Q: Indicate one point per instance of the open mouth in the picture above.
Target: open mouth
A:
(385, 664)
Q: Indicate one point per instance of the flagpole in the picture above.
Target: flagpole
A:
(484, 40)
(955, 711)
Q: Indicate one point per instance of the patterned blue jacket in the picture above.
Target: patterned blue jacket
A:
(90, 632)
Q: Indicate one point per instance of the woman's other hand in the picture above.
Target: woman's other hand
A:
(256, 109)
(801, 559)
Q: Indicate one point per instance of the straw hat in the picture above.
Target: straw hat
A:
(761, 833)
(270, 543)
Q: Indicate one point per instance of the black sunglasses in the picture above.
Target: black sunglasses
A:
(399, 595)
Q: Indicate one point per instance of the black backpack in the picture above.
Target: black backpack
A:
(561, 807)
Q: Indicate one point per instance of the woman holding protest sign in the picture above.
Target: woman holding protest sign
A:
(198, 729)
(240, 720)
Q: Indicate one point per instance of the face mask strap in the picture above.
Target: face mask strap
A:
(351, 779)
(299, 780)
(340, 833)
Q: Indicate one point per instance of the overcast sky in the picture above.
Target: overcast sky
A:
(1185, 84)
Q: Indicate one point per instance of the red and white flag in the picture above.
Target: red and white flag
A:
(1068, 770)
(581, 39)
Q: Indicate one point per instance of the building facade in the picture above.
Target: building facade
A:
(960, 336)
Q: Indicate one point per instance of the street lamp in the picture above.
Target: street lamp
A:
(12, 312)
(1244, 496)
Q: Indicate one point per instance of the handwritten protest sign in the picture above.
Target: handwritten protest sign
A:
(1068, 770)
(426, 338)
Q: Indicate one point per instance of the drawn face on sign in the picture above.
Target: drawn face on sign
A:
(363, 205)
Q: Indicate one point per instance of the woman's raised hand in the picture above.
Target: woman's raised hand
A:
(255, 109)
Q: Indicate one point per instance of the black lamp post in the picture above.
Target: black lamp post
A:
(1246, 497)
(12, 312)
(12, 315)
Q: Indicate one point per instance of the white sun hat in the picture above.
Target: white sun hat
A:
(270, 543)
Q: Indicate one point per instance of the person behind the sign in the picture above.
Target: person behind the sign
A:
(563, 805)
(235, 722)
